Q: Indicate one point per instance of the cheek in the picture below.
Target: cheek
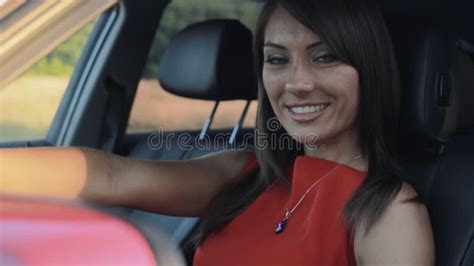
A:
(350, 91)
(346, 85)
(273, 84)
(352, 85)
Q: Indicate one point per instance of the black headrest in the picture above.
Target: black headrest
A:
(210, 60)
(430, 84)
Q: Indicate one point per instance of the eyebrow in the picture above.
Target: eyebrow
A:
(274, 45)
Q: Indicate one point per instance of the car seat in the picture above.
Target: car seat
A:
(436, 140)
(210, 60)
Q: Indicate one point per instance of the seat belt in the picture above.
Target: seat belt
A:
(115, 116)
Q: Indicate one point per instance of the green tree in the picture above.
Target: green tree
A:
(179, 14)
(61, 61)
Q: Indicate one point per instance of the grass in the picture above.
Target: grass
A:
(28, 106)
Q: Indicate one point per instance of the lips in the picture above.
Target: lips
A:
(304, 113)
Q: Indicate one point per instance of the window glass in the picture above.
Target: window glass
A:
(155, 108)
(33, 85)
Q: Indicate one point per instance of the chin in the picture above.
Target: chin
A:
(306, 138)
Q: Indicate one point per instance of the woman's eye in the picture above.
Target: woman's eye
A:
(325, 58)
(276, 60)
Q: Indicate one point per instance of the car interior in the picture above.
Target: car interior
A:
(212, 60)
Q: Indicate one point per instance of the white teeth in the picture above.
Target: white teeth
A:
(309, 109)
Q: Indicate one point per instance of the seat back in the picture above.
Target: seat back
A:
(212, 61)
(435, 116)
(209, 60)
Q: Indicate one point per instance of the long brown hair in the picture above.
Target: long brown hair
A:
(355, 31)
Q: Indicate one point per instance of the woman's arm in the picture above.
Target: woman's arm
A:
(402, 236)
(58, 172)
(168, 187)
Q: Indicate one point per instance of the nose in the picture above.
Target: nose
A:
(299, 87)
(300, 81)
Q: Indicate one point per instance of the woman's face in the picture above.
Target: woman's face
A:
(313, 95)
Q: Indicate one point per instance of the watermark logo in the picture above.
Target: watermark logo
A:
(273, 124)
(273, 138)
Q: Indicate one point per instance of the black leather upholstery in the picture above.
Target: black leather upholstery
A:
(429, 102)
(211, 60)
(436, 113)
(463, 72)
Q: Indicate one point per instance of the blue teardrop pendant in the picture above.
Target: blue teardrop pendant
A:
(281, 226)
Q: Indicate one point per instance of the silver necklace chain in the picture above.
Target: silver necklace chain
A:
(281, 225)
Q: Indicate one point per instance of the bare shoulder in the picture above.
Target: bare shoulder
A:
(403, 234)
(406, 192)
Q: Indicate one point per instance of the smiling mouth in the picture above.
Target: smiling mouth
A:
(307, 113)
(309, 108)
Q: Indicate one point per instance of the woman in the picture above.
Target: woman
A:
(327, 73)
(332, 196)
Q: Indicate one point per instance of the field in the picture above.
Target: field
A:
(28, 106)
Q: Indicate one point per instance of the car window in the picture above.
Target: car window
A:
(41, 43)
(156, 109)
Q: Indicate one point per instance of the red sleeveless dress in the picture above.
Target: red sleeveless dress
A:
(315, 234)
